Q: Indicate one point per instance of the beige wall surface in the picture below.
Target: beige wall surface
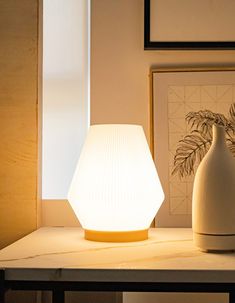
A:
(120, 66)
(120, 77)
(18, 118)
(201, 20)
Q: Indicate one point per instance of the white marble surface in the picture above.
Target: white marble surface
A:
(63, 254)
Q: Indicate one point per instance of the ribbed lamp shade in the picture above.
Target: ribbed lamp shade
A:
(115, 192)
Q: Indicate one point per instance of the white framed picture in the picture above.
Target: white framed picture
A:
(174, 93)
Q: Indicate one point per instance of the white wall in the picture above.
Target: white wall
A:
(65, 91)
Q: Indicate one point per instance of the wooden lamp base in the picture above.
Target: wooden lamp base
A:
(116, 236)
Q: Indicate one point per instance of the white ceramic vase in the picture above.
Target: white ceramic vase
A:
(214, 197)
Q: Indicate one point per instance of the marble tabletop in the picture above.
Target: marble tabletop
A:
(62, 254)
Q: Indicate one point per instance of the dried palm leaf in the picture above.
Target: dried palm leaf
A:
(231, 146)
(232, 113)
(191, 149)
(204, 119)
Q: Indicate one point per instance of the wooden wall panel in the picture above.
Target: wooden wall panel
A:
(18, 118)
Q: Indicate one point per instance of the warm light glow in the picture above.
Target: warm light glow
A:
(115, 186)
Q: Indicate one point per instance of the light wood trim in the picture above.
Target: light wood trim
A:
(176, 69)
(18, 119)
(151, 111)
(39, 112)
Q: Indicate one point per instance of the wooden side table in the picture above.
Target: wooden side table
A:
(59, 259)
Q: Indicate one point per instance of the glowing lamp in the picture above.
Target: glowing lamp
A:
(115, 192)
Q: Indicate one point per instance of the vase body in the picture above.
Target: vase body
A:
(214, 197)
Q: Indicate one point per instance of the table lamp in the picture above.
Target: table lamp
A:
(115, 191)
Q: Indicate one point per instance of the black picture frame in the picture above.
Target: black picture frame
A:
(179, 45)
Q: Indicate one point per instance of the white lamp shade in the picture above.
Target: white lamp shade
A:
(115, 186)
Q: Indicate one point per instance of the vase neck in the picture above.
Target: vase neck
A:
(218, 136)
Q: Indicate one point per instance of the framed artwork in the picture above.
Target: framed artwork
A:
(174, 93)
(189, 24)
